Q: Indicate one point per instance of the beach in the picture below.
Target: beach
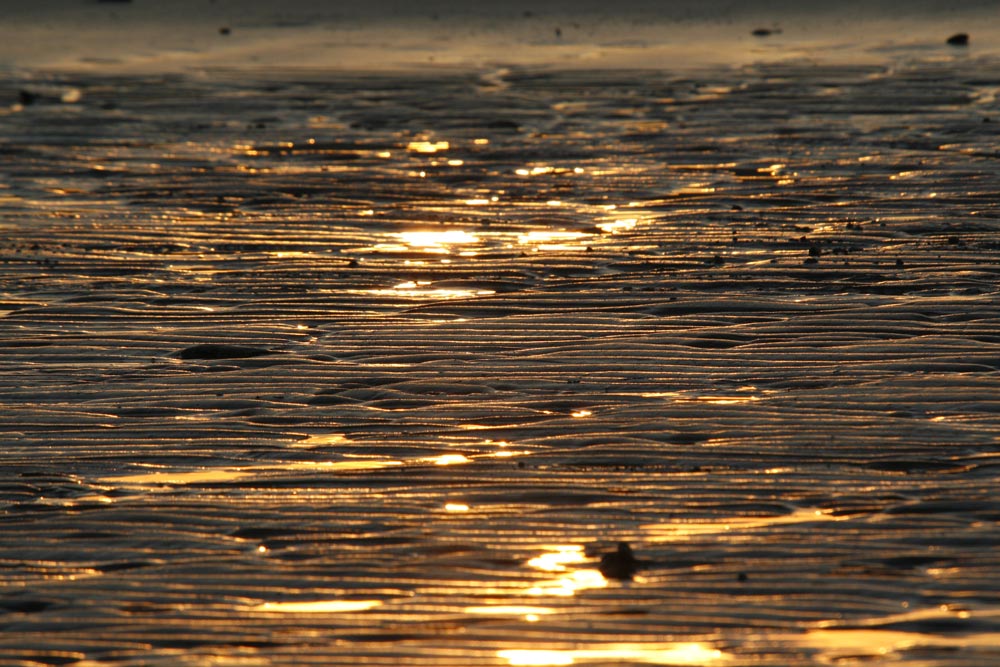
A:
(359, 335)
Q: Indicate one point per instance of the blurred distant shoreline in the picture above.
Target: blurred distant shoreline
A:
(186, 35)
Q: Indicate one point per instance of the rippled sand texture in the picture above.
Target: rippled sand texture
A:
(371, 369)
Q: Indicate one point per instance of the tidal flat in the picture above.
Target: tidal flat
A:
(307, 367)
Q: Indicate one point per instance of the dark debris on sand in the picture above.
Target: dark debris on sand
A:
(619, 564)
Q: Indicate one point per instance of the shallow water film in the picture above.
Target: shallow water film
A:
(300, 368)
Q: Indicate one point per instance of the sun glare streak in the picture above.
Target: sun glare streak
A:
(678, 653)
(448, 459)
(427, 146)
(555, 240)
(679, 531)
(835, 640)
(570, 584)
(179, 478)
(617, 226)
(437, 241)
(558, 558)
(422, 289)
(727, 400)
(317, 606)
(530, 613)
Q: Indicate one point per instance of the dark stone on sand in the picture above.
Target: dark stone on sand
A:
(619, 564)
(224, 30)
(222, 351)
(765, 32)
(742, 577)
(26, 97)
(815, 251)
(810, 261)
(959, 39)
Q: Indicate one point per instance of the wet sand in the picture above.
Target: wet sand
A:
(315, 366)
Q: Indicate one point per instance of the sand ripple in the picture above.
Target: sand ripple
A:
(311, 369)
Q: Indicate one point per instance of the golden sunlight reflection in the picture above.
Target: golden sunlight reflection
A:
(448, 459)
(669, 653)
(438, 242)
(870, 637)
(456, 507)
(581, 413)
(160, 477)
(557, 560)
(175, 477)
(727, 400)
(746, 394)
(323, 439)
(423, 289)
(535, 171)
(678, 531)
(570, 583)
(345, 465)
(317, 606)
(617, 226)
(558, 557)
(555, 240)
(529, 612)
(427, 146)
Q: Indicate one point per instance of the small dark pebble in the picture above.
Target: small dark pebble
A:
(742, 576)
(959, 39)
(619, 564)
(224, 30)
(954, 240)
(737, 207)
(810, 260)
(900, 264)
(765, 32)
(26, 97)
(222, 351)
(815, 251)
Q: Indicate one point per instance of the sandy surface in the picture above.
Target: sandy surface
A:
(304, 365)
(186, 35)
